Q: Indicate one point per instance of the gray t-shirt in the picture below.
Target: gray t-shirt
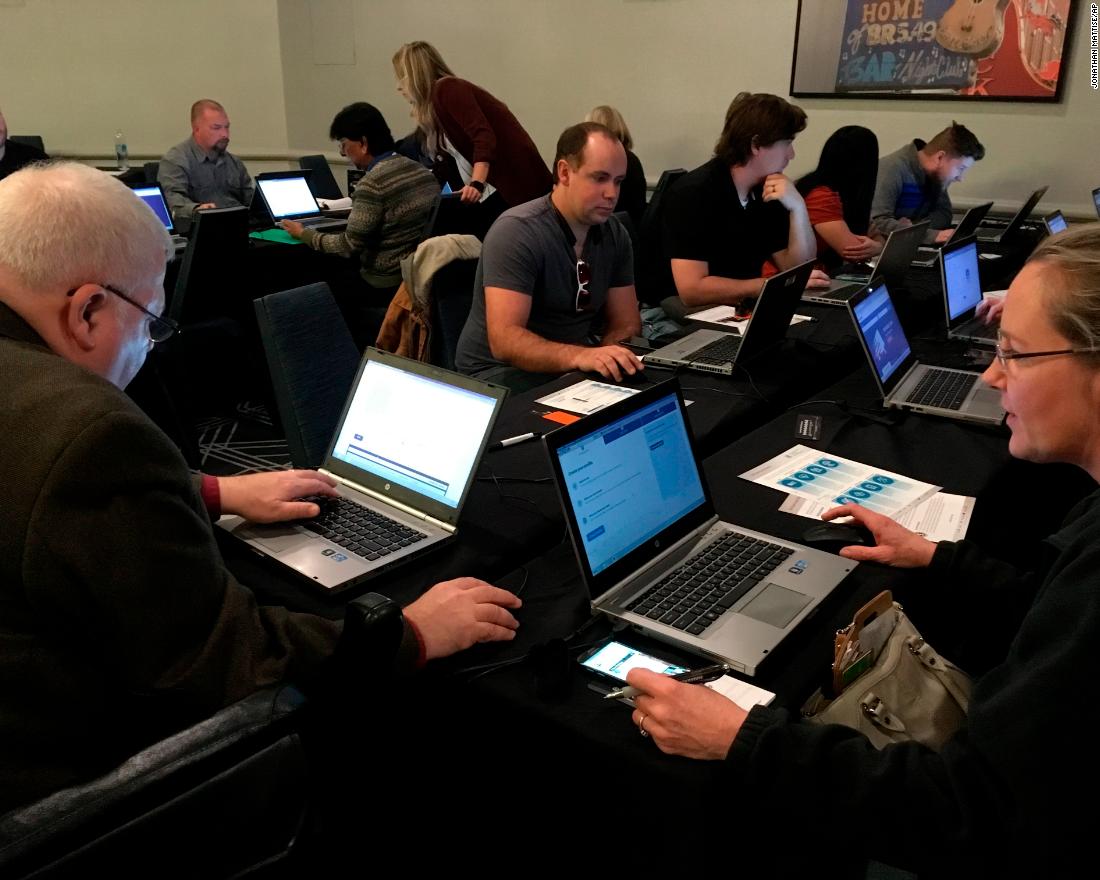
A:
(529, 249)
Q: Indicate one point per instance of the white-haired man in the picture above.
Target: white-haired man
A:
(120, 621)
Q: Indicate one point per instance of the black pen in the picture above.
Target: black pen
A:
(512, 441)
(692, 676)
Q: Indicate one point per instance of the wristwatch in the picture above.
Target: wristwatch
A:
(479, 185)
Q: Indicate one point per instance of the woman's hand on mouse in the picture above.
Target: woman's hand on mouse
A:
(895, 544)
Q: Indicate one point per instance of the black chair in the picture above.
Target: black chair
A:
(152, 172)
(31, 140)
(321, 182)
(312, 358)
(652, 275)
(451, 298)
(229, 796)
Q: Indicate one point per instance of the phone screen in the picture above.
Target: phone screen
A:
(616, 659)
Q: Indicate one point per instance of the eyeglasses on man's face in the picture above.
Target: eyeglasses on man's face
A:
(1005, 354)
(584, 296)
(158, 327)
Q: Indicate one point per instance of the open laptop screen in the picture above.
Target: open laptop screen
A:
(1056, 223)
(630, 479)
(881, 330)
(415, 431)
(1096, 200)
(154, 198)
(288, 196)
(960, 279)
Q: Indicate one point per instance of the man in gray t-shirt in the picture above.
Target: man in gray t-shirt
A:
(200, 172)
(555, 273)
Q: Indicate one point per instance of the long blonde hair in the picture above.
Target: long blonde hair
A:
(418, 66)
(613, 119)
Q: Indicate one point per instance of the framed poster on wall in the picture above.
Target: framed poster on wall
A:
(956, 49)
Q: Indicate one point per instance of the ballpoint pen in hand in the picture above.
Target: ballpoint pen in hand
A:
(692, 676)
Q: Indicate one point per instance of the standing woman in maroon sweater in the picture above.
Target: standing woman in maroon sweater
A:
(498, 163)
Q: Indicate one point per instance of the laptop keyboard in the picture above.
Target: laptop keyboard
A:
(942, 389)
(977, 328)
(359, 529)
(710, 583)
(721, 351)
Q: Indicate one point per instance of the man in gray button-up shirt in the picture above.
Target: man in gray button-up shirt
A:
(199, 173)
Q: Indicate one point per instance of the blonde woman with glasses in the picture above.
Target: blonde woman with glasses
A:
(1005, 795)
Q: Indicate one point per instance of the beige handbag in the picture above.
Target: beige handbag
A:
(907, 691)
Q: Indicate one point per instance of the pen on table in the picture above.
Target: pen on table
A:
(692, 676)
(512, 441)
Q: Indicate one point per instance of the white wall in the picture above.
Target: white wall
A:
(74, 70)
(671, 67)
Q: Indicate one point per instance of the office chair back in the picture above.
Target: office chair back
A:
(31, 140)
(312, 359)
(652, 275)
(451, 298)
(321, 182)
(225, 797)
(212, 274)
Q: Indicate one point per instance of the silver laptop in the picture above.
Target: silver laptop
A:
(926, 254)
(287, 196)
(990, 236)
(645, 532)
(907, 384)
(962, 293)
(892, 264)
(404, 454)
(1055, 222)
(153, 196)
(1096, 200)
(717, 351)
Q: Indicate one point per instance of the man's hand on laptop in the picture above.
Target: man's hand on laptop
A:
(205, 206)
(453, 615)
(943, 235)
(990, 308)
(274, 496)
(818, 280)
(292, 227)
(863, 249)
(610, 361)
(684, 719)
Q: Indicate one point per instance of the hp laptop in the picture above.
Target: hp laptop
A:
(1055, 223)
(907, 384)
(646, 537)
(713, 351)
(990, 236)
(893, 264)
(404, 454)
(926, 254)
(287, 196)
(962, 292)
(153, 196)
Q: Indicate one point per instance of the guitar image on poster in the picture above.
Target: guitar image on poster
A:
(973, 27)
(964, 48)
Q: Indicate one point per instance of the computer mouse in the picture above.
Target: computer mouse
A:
(831, 536)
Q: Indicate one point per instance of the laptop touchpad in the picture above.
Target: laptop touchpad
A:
(775, 605)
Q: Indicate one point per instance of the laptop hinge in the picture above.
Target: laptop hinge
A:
(389, 502)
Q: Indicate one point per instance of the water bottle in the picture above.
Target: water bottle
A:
(122, 155)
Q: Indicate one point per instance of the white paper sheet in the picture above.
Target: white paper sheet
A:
(943, 517)
(726, 318)
(832, 480)
(742, 693)
(586, 397)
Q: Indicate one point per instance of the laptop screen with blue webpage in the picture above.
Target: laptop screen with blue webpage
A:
(414, 431)
(1056, 223)
(961, 281)
(629, 480)
(154, 198)
(288, 196)
(881, 330)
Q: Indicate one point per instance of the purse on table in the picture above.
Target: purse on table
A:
(889, 683)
